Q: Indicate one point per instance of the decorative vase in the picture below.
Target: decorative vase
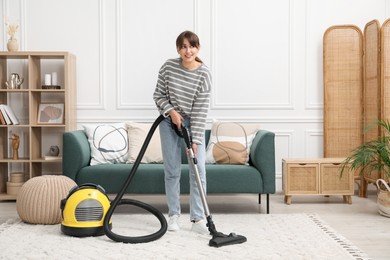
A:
(12, 44)
(383, 199)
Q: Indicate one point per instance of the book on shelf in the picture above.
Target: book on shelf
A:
(2, 119)
(8, 115)
(7, 120)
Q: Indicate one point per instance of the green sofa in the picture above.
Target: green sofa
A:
(258, 177)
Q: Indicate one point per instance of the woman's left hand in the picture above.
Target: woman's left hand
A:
(194, 148)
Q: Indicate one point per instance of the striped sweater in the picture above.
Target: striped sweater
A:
(188, 92)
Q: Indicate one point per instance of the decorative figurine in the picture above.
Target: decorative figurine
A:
(15, 146)
(14, 82)
(54, 150)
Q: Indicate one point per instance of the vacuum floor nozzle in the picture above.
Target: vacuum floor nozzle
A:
(221, 239)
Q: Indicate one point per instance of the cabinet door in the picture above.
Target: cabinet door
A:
(302, 178)
(332, 183)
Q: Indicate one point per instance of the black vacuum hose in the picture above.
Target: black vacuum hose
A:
(119, 201)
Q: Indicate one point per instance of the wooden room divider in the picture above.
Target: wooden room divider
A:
(343, 90)
(372, 92)
(356, 88)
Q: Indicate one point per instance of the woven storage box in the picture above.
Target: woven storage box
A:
(14, 187)
(17, 177)
(38, 201)
(343, 90)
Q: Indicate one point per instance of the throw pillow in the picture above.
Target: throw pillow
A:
(137, 135)
(230, 142)
(108, 143)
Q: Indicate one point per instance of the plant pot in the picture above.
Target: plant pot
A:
(383, 199)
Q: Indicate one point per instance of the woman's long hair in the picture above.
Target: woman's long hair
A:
(192, 38)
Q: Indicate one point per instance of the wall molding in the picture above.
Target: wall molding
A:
(214, 105)
(101, 104)
(309, 133)
(145, 105)
(309, 105)
(279, 134)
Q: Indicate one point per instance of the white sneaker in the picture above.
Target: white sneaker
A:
(173, 223)
(200, 227)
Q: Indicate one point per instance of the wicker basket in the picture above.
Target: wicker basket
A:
(383, 199)
(17, 177)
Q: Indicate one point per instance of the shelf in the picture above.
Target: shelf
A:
(48, 90)
(39, 54)
(14, 90)
(5, 196)
(47, 125)
(10, 160)
(43, 160)
(17, 126)
(35, 139)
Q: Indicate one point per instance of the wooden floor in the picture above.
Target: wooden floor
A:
(359, 222)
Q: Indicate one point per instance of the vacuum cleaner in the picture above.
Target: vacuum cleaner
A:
(87, 210)
(97, 214)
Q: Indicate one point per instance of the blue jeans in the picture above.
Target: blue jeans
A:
(171, 149)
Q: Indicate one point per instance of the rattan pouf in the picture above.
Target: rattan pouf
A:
(38, 201)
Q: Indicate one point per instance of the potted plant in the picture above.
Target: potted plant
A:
(372, 156)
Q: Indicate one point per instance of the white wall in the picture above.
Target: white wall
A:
(266, 56)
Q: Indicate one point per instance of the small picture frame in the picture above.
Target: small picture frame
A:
(51, 113)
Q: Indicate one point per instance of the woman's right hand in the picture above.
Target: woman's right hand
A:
(176, 118)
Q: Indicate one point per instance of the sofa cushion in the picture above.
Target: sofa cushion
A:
(230, 142)
(108, 143)
(149, 178)
(233, 179)
(137, 135)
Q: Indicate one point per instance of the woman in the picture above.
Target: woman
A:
(182, 95)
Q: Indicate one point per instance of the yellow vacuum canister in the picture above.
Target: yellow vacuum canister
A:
(83, 211)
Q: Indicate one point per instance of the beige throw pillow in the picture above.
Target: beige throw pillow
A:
(230, 142)
(137, 135)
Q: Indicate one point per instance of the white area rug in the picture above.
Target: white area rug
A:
(274, 236)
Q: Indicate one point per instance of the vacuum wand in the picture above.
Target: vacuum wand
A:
(197, 178)
(219, 239)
